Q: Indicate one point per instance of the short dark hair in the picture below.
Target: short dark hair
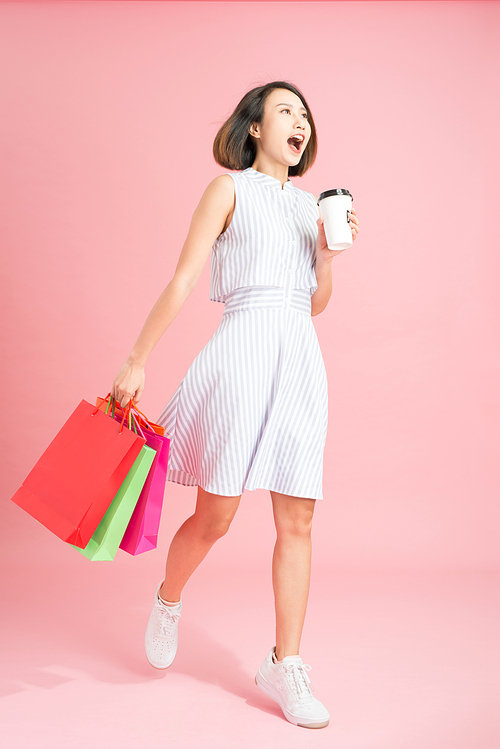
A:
(234, 147)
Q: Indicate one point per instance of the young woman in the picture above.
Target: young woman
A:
(252, 410)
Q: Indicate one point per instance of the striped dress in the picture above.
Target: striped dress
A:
(251, 412)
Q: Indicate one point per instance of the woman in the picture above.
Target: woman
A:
(252, 410)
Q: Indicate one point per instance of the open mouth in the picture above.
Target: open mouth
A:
(296, 142)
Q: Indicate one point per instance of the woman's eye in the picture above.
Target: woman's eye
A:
(290, 111)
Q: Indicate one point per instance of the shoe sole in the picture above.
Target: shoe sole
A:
(268, 689)
(158, 668)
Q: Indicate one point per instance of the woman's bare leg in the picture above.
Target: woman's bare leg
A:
(195, 538)
(291, 569)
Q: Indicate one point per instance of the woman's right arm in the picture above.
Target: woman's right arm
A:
(207, 223)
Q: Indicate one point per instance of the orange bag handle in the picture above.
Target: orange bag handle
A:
(126, 411)
(135, 411)
(145, 418)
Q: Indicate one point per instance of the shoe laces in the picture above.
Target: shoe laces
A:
(167, 620)
(296, 675)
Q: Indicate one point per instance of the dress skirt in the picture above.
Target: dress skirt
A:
(252, 410)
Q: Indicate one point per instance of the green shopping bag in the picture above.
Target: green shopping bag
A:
(108, 535)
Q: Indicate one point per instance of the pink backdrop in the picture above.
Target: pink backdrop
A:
(109, 114)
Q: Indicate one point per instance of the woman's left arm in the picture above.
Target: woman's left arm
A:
(323, 266)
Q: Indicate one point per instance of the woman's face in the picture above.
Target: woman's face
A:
(285, 130)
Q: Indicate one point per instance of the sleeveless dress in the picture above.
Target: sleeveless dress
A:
(251, 412)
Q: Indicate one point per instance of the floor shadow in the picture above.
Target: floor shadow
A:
(204, 659)
(265, 704)
(93, 637)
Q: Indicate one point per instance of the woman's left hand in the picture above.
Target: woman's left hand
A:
(322, 250)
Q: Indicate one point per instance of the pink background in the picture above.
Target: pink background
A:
(110, 110)
(109, 115)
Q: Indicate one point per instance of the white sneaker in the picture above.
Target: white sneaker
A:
(161, 633)
(289, 685)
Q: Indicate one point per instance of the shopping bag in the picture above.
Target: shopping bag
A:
(105, 541)
(142, 532)
(79, 474)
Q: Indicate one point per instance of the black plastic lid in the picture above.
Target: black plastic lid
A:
(338, 191)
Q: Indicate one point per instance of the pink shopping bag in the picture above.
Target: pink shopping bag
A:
(142, 531)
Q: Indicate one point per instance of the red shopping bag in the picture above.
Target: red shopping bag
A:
(142, 531)
(79, 474)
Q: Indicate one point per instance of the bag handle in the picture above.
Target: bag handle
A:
(131, 413)
(126, 412)
(136, 424)
(136, 411)
(111, 399)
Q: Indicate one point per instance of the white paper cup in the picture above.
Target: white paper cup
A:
(335, 206)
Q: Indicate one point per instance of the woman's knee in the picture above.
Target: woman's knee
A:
(298, 527)
(214, 514)
(211, 529)
(293, 516)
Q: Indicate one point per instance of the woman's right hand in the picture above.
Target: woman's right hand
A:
(128, 383)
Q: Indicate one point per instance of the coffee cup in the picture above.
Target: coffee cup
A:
(335, 206)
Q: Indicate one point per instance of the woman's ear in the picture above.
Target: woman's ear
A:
(255, 130)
